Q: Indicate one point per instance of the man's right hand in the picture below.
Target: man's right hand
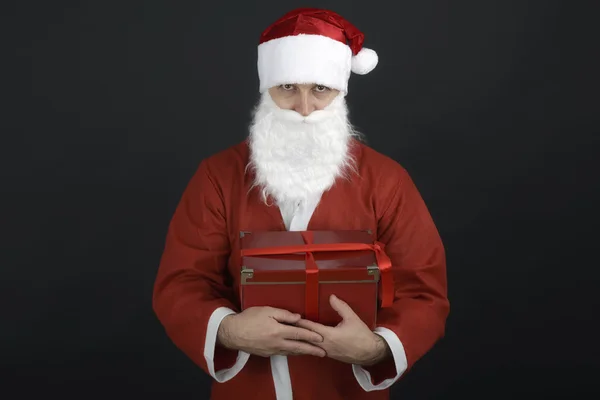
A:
(267, 331)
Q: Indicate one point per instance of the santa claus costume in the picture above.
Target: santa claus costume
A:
(300, 173)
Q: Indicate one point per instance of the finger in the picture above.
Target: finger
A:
(284, 316)
(313, 326)
(298, 333)
(341, 307)
(300, 348)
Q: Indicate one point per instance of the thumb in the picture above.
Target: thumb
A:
(341, 307)
(285, 317)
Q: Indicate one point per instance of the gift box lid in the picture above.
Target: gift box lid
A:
(333, 266)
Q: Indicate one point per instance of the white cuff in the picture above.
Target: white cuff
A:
(209, 348)
(364, 377)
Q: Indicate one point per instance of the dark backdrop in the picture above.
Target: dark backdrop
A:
(109, 107)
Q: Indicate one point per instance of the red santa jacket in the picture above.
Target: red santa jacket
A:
(199, 272)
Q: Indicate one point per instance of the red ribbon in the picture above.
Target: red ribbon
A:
(311, 296)
(383, 262)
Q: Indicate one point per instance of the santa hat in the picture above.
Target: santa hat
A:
(311, 45)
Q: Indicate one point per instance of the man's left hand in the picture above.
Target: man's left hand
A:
(351, 341)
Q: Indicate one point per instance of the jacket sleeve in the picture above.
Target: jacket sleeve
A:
(192, 290)
(417, 318)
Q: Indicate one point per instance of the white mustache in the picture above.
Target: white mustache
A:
(295, 117)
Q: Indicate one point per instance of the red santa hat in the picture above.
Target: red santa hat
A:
(311, 45)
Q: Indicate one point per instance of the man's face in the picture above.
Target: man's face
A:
(303, 98)
(299, 140)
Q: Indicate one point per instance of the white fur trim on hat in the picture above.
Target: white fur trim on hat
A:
(305, 59)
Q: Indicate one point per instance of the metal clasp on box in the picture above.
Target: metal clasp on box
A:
(247, 273)
(374, 270)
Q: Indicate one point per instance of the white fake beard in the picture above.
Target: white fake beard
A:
(297, 158)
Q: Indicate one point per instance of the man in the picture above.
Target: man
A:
(302, 168)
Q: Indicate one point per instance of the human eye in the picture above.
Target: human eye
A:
(287, 87)
(321, 88)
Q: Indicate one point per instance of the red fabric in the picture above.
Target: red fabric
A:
(315, 21)
(382, 371)
(192, 277)
(199, 270)
(224, 358)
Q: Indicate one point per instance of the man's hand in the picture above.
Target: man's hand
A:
(351, 341)
(267, 331)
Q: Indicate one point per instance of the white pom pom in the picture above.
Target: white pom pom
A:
(365, 61)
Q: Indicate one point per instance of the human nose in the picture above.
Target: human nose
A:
(304, 104)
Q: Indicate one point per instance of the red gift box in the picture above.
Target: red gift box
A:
(298, 271)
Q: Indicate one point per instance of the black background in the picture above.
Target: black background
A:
(108, 107)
